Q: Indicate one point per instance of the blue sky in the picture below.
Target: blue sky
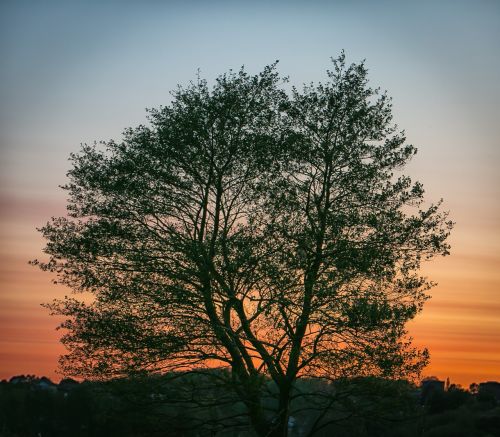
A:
(81, 71)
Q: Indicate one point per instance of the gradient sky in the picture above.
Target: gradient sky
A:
(79, 71)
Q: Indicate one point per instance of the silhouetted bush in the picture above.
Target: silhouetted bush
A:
(193, 405)
(440, 401)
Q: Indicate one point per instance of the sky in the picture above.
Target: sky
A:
(74, 72)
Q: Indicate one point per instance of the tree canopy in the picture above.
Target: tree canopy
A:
(266, 231)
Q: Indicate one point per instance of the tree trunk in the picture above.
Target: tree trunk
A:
(278, 425)
(259, 423)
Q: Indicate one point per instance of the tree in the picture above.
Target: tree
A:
(248, 228)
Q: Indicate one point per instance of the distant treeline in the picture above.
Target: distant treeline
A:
(205, 404)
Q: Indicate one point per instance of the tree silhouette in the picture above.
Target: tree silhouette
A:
(248, 228)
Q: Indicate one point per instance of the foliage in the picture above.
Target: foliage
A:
(252, 229)
(439, 401)
(183, 405)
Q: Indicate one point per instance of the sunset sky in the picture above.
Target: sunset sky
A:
(77, 71)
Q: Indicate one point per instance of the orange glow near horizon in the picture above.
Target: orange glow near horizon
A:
(459, 325)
